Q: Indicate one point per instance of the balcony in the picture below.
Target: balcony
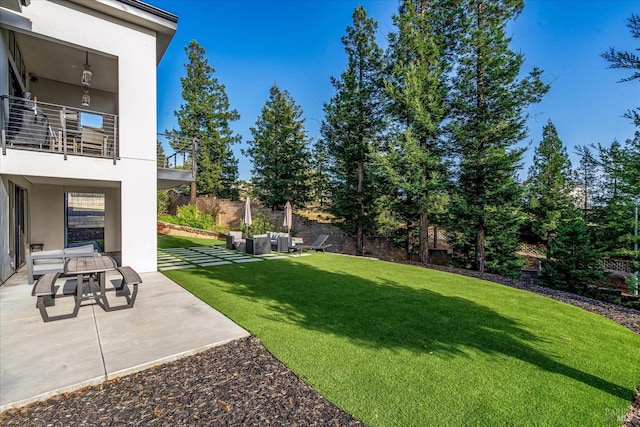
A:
(28, 124)
(175, 167)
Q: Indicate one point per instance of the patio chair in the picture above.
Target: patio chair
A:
(93, 141)
(56, 139)
(318, 244)
(235, 241)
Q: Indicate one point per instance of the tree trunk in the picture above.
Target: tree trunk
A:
(360, 225)
(548, 245)
(479, 261)
(192, 201)
(480, 117)
(408, 245)
(424, 236)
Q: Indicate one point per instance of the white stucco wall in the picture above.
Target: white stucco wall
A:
(135, 172)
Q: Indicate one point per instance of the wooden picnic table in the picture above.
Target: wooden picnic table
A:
(86, 266)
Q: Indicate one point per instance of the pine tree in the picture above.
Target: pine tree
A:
(205, 116)
(573, 264)
(548, 185)
(417, 87)
(351, 128)
(627, 61)
(320, 172)
(612, 207)
(489, 108)
(280, 153)
(585, 178)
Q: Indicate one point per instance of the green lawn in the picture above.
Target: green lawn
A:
(406, 346)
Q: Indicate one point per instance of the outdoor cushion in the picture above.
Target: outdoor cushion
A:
(54, 256)
(50, 253)
(83, 250)
(48, 267)
(56, 260)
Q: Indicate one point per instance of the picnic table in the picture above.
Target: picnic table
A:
(88, 266)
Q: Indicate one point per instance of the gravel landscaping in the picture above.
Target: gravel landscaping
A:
(239, 383)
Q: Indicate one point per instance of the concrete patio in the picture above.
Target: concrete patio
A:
(38, 360)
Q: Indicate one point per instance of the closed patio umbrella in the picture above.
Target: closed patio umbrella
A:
(246, 216)
(286, 224)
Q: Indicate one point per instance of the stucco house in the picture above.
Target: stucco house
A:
(78, 114)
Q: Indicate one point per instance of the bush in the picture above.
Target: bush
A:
(260, 225)
(163, 201)
(190, 216)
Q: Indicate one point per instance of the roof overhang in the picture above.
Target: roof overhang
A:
(165, 24)
(15, 5)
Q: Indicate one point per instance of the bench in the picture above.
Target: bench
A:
(52, 261)
(129, 278)
(45, 287)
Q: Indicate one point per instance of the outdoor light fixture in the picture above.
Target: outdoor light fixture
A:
(86, 73)
(86, 99)
(86, 81)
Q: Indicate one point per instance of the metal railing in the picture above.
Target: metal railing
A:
(41, 126)
(182, 159)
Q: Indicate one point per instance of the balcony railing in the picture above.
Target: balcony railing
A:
(170, 158)
(41, 126)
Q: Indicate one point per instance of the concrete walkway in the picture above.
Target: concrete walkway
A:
(38, 360)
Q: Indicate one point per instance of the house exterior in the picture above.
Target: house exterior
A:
(78, 114)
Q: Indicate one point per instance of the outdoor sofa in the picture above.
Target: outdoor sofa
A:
(279, 241)
(43, 262)
(259, 244)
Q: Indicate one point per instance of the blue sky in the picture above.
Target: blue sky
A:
(296, 44)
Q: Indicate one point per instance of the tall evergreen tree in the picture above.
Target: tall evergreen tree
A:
(417, 86)
(585, 178)
(548, 185)
(627, 61)
(612, 207)
(280, 153)
(574, 263)
(205, 116)
(352, 125)
(489, 106)
(631, 167)
(320, 172)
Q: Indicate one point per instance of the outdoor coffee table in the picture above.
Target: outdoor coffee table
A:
(87, 266)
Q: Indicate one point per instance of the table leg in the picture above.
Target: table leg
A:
(79, 294)
(103, 290)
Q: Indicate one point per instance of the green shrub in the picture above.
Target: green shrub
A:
(163, 201)
(260, 225)
(190, 216)
(169, 218)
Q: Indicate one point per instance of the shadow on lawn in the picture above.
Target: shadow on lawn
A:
(386, 314)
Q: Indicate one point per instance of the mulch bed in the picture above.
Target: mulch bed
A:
(238, 384)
